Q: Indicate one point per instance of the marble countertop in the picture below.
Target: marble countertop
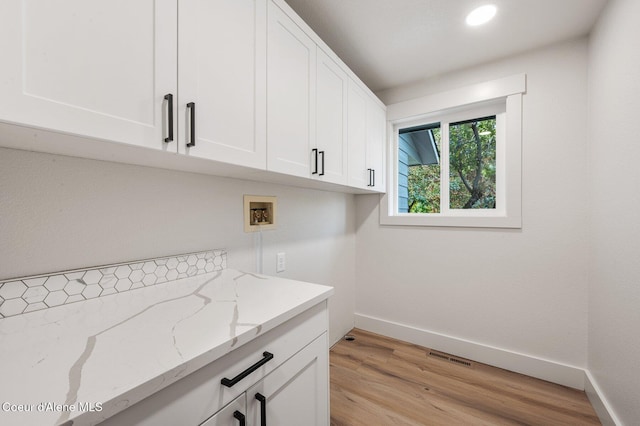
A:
(83, 362)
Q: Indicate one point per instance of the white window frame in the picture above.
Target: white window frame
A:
(502, 98)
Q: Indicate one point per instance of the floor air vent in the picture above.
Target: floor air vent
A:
(450, 358)
(437, 355)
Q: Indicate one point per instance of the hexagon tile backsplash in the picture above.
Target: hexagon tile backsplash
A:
(23, 295)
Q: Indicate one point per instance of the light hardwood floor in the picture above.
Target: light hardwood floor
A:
(378, 381)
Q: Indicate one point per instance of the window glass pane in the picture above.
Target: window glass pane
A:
(472, 164)
(419, 169)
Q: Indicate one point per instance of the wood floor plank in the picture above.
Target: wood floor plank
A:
(376, 380)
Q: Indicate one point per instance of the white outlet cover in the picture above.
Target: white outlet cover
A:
(281, 261)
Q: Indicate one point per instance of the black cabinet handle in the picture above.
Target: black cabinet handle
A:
(169, 98)
(373, 181)
(263, 409)
(238, 415)
(192, 109)
(370, 180)
(266, 357)
(315, 156)
(322, 153)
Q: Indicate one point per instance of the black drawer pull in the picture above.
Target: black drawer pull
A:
(169, 98)
(266, 357)
(315, 156)
(321, 153)
(191, 106)
(263, 409)
(240, 417)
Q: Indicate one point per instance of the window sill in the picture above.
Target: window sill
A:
(412, 219)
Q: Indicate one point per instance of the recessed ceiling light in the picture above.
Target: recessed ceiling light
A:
(481, 15)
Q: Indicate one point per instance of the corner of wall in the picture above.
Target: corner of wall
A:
(600, 404)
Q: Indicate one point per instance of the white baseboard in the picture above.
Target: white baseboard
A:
(599, 402)
(551, 371)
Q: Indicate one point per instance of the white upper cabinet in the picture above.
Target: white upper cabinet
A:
(331, 120)
(357, 136)
(366, 135)
(222, 77)
(291, 80)
(242, 82)
(376, 135)
(96, 68)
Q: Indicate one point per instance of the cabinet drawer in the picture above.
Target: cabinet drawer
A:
(193, 399)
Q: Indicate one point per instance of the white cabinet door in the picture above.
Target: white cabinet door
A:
(376, 137)
(221, 70)
(357, 136)
(366, 140)
(296, 393)
(331, 120)
(94, 68)
(234, 414)
(291, 81)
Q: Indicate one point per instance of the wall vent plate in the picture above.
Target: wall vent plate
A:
(260, 213)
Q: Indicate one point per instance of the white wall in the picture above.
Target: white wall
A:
(524, 290)
(60, 213)
(614, 273)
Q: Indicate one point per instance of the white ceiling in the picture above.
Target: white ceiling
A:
(390, 43)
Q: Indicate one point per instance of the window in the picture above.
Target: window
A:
(419, 169)
(451, 164)
(460, 165)
(470, 182)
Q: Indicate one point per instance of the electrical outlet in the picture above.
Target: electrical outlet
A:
(281, 262)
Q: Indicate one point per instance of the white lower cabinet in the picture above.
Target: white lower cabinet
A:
(287, 365)
(294, 394)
